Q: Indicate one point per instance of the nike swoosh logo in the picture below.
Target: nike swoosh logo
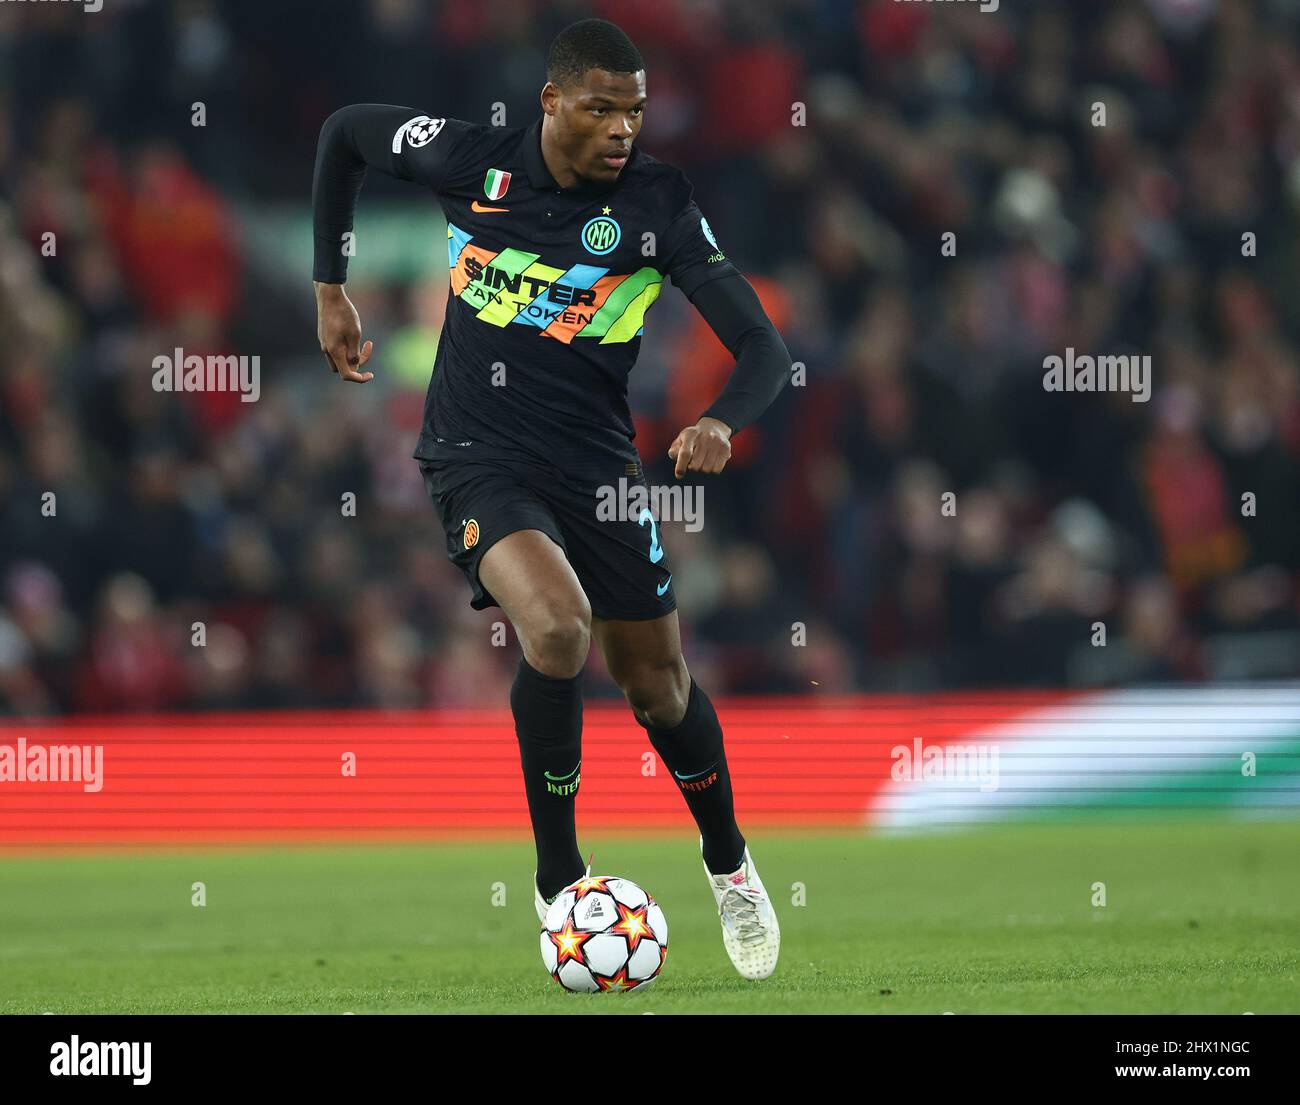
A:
(697, 774)
(476, 206)
(561, 778)
(663, 587)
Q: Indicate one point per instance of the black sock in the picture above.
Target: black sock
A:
(693, 750)
(548, 723)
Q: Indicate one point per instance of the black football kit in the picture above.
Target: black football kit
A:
(526, 417)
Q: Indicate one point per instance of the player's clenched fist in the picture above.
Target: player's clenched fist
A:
(338, 329)
(704, 447)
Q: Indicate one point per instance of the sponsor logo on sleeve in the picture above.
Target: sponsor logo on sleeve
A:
(717, 254)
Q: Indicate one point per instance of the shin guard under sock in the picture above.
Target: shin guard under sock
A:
(548, 723)
(692, 751)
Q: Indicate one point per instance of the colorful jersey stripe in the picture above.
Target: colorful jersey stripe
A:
(542, 311)
(582, 301)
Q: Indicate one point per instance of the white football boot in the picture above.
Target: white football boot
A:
(750, 932)
(539, 901)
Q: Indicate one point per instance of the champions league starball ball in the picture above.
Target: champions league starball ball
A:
(604, 933)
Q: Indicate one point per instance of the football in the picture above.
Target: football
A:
(604, 933)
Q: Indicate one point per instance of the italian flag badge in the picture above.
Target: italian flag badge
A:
(495, 184)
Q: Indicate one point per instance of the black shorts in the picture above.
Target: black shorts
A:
(616, 554)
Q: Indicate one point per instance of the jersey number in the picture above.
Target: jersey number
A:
(656, 551)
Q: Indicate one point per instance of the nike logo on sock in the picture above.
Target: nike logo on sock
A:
(696, 775)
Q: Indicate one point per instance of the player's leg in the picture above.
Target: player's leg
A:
(645, 660)
(528, 575)
(623, 570)
(532, 581)
(624, 573)
(507, 542)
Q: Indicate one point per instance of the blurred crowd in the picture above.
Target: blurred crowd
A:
(189, 551)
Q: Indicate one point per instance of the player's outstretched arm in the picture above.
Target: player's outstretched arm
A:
(398, 141)
(732, 309)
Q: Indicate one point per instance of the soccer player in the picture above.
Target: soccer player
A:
(559, 236)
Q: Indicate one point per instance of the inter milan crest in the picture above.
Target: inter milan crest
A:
(601, 234)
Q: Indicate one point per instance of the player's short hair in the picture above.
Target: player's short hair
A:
(590, 44)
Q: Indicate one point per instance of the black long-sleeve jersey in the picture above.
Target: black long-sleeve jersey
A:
(549, 285)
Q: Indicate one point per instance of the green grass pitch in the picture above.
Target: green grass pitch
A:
(1200, 917)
